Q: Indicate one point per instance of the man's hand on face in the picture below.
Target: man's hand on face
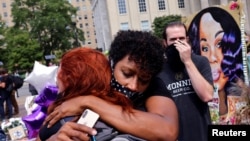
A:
(184, 50)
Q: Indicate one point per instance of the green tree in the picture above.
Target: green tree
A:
(47, 22)
(160, 22)
(22, 50)
(2, 30)
(3, 46)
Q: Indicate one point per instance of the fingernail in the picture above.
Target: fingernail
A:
(94, 132)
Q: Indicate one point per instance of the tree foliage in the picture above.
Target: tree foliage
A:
(160, 22)
(41, 27)
(22, 49)
(2, 42)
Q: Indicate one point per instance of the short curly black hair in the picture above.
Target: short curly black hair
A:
(145, 49)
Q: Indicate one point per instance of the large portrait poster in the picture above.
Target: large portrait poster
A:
(218, 33)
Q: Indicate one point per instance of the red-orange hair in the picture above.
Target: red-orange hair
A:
(86, 71)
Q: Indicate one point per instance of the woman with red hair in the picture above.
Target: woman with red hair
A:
(83, 71)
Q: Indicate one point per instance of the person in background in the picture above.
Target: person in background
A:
(136, 57)
(187, 77)
(14, 102)
(221, 45)
(6, 88)
(13, 95)
(16, 73)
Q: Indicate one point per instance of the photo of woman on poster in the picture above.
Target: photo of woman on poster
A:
(215, 34)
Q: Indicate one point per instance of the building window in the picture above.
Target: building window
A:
(86, 24)
(124, 26)
(84, 8)
(89, 42)
(142, 6)
(145, 25)
(85, 17)
(5, 14)
(122, 7)
(161, 5)
(88, 35)
(81, 26)
(78, 8)
(4, 5)
(181, 4)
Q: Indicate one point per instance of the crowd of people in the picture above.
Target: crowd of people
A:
(135, 57)
(169, 95)
(147, 85)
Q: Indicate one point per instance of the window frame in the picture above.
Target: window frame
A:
(142, 6)
(161, 5)
(122, 6)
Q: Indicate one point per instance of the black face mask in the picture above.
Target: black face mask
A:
(132, 95)
(173, 58)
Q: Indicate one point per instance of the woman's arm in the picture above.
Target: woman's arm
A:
(159, 123)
